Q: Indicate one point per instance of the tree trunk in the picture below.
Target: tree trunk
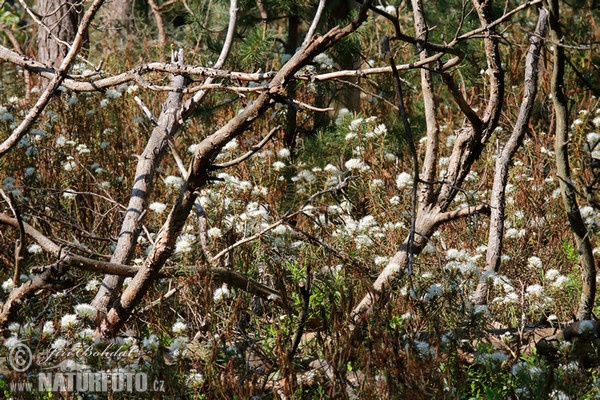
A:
(61, 19)
(563, 173)
(118, 15)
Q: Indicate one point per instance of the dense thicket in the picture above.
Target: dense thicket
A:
(309, 199)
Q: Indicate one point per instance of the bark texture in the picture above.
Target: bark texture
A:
(168, 123)
(60, 19)
(563, 173)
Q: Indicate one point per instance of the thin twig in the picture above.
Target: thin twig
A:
(167, 137)
(313, 25)
(57, 79)
(253, 150)
(413, 151)
(20, 242)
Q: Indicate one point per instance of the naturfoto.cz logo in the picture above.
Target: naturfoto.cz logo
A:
(81, 380)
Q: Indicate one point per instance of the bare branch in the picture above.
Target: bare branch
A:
(252, 151)
(314, 23)
(20, 243)
(162, 35)
(496, 230)
(462, 213)
(188, 107)
(39, 106)
(167, 137)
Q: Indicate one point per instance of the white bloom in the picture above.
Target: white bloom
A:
(68, 321)
(174, 182)
(34, 249)
(8, 285)
(381, 260)
(280, 230)
(70, 165)
(84, 310)
(518, 367)
(158, 207)
(231, 145)
(380, 130)
(11, 342)
(498, 357)
(221, 293)
(60, 141)
(592, 139)
(433, 291)
(194, 380)
(48, 328)
(362, 241)
(367, 222)
(278, 165)
(454, 254)
(355, 124)
(560, 281)
(534, 262)
(82, 149)
(324, 61)
(184, 243)
(390, 9)
(551, 274)
(377, 184)
(283, 153)
(511, 298)
(514, 233)
(92, 285)
(390, 157)
(534, 290)
(150, 343)
(30, 171)
(192, 149)
(424, 348)
(113, 94)
(179, 328)
(404, 180)
(350, 136)
(355, 164)
(14, 328)
(69, 194)
(86, 334)
(341, 114)
(332, 169)
(306, 176)
(214, 233)
(59, 344)
(179, 347)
